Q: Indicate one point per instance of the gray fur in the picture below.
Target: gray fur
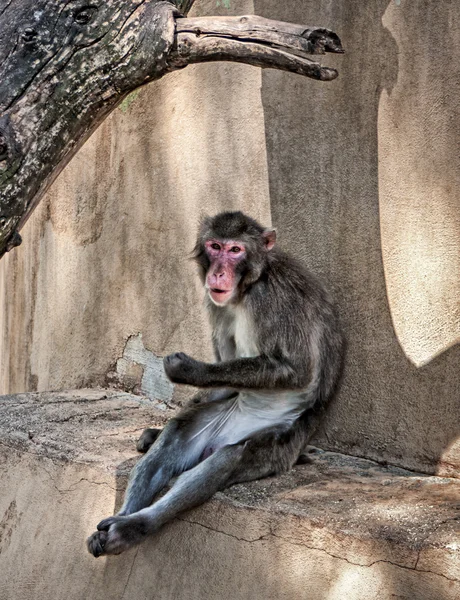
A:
(278, 351)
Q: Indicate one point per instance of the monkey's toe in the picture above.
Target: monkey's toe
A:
(105, 524)
(115, 535)
(304, 459)
(96, 543)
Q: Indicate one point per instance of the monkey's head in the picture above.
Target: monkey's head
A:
(232, 252)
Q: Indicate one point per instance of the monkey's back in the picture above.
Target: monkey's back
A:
(297, 320)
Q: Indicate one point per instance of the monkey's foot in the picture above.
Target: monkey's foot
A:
(117, 534)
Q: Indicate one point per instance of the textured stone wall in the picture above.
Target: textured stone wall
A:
(361, 177)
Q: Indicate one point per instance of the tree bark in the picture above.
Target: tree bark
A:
(65, 64)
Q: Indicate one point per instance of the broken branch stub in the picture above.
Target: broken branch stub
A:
(65, 66)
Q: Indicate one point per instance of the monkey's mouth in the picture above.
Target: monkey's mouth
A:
(219, 296)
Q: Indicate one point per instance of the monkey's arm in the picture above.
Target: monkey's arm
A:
(259, 372)
(215, 395)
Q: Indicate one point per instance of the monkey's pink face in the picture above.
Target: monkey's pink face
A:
(221, 278)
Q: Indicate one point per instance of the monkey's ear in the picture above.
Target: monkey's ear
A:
(269, 239)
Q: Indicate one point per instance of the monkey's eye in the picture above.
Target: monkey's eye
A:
(215, 246)
(235, 249)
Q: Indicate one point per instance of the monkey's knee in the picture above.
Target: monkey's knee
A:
(171, 434)
(147, 439)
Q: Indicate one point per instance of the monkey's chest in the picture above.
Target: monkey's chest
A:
(244, 335)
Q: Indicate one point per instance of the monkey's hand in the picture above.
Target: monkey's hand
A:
(181, 368)
(206, 396)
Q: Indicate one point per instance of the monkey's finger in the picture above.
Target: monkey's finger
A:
(176, 357)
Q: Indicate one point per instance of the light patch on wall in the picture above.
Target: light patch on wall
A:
(348, 583)
(419, 189)
(141, 371)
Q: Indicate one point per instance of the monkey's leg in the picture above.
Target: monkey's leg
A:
(119, 533)
(271, 451)
(170, 454)
(180, 446)
(154, 469)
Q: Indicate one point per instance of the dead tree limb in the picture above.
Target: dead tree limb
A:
(255, 41)
(65, 64)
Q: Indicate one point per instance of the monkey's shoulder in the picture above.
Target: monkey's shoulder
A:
(288, 282)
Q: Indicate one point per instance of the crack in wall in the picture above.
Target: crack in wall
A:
(129, 574)
(270, 534)
(73, 487)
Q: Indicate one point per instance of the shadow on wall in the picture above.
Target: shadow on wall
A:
(323, 146)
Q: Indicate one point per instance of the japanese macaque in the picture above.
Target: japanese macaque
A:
(278, 353)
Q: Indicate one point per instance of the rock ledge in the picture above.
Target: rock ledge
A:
(340, 527)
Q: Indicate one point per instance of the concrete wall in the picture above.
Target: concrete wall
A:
(362, 179)
(364, 184)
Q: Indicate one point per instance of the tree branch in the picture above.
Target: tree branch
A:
(64, 68)
(256, 41)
